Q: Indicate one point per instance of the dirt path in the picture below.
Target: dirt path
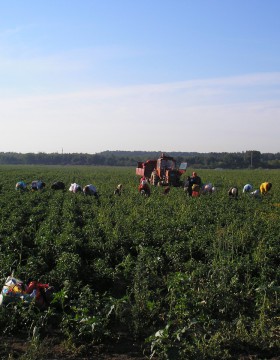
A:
(51, 349)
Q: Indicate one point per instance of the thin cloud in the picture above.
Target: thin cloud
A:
(194, 88)
(34, 59)
(198, 115)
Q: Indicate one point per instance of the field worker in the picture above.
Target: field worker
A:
(144, 181)
(20, 185)
(75, 188)
(247, 188)
(143, 187)
(90, 190)
(255, 193)
(41, 292)
(118, 190)
(233, 192)
(37, 185)
(195, 179)
(207, 189)
(58, 185)
(188, 186)
(265, 188)
(195, 190)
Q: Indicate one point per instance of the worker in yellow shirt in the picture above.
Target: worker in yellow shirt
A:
(265, 187)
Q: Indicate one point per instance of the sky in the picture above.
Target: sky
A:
(85, 76)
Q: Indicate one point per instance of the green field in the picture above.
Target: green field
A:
(185, 278)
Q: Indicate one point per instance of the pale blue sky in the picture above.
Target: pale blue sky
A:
(162, 75)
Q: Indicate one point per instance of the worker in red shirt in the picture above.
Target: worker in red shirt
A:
(39, 291)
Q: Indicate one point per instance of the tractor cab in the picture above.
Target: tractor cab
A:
(167, 172)
(164, 164)
(162, 171)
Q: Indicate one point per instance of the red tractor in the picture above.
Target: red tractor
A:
(162, 171)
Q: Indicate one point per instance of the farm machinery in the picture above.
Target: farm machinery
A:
(162, 171)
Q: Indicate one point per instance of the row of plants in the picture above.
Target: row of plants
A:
(184, 277)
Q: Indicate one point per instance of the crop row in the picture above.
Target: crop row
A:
(187, 277)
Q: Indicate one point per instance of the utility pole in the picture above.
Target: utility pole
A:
(249, 157)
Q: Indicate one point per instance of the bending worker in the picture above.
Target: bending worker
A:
(265, 187)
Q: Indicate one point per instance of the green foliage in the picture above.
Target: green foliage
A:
(194, 278)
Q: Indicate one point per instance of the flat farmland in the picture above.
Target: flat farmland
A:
(164, 277)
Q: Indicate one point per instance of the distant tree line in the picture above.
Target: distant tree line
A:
(212, 160)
